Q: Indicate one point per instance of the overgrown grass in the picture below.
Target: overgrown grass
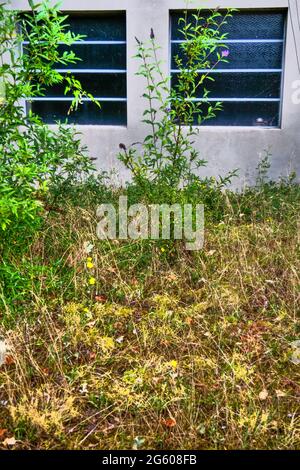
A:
(168, 349)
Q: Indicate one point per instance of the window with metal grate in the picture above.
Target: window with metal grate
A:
(101, 71)
(250, 84)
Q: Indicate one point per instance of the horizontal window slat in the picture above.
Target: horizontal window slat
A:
(220, 71)
(69, 98)
(239, 100)
(96, 71)
(84, 42)
(237, 41)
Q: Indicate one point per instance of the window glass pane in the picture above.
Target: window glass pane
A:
(111, 113)
(244, 25)
(97, 56)
(109, 85)
(245, 56)
(261, 25)
(241, 85)
(107, 27)
(247, 114)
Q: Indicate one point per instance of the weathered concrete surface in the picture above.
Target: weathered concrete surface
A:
(225, 148)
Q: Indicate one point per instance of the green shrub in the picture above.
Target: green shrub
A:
(37, 163)
(32, 156)
(167, 160)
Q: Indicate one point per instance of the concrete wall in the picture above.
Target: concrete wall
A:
(225, 148)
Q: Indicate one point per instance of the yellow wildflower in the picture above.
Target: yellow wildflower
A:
(172, 364)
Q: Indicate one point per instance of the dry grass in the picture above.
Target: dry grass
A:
(193, 354)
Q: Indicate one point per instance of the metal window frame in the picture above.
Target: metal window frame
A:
(235, 41)
(232, 70)
(29, 100)
(67, 98)
(246, 71)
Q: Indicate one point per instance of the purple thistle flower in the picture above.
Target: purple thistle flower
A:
(225, 53)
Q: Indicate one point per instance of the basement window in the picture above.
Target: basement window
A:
(250, 84)
(101, 71)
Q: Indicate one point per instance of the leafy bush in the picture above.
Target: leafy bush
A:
(33, 156)
(38, 163)
(167, 159)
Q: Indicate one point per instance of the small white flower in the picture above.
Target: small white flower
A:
(3, 352)
(137, 443)
(83, 388)
(88, 247)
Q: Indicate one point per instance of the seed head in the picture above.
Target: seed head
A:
(122, 147)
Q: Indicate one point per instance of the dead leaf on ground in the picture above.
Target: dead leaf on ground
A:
(169, 422)
(211, 253)
(101, 298)
(92, 355)
(9, 360)
(172, 277)
(111, 269)
(2, 433)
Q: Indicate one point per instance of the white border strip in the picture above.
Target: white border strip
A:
(232, 70)
(91, 70)
(239, 100)
(236, 41)
(67, 98)
(83, 42)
